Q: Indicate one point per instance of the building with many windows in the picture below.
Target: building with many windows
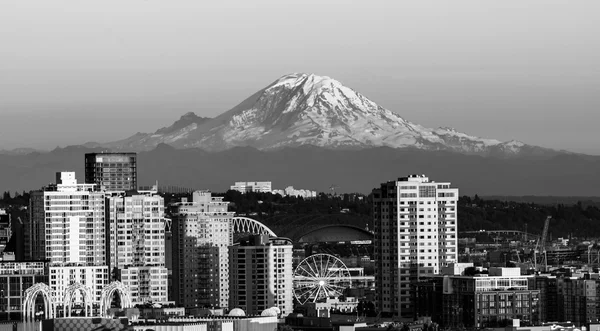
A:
(15, 278)
(261, 274)
(202, 233)
(5, 229)
(68, 230)
(244, 187)
(415, 223)
(111, 171)
(136, 251)
(483, 301)
(490, 301)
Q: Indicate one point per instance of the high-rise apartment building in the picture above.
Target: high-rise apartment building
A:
(68, 229)
(201, 236)
(137, 244)
(261, 275)
(111, 171)
(415, 222)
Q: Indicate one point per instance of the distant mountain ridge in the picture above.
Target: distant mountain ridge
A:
(318, 168)
(306, 109)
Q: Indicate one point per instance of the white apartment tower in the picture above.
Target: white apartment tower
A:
(261, 275)
(68, 230)
(201, 236)
(415, 222)
(137, 245)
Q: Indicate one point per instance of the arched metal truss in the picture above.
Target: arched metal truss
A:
(107, 295)
(69, 296)
(28, 305)
(248, 225)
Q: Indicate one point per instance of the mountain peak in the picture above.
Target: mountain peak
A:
(190, 114)
(309, 82)
(188, 120)
(300, 109)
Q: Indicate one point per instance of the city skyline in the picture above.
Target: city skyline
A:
(482, 68)
(283, 166)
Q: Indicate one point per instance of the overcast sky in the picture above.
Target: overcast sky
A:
(78, 71)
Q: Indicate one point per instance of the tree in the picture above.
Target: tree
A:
(284, 327)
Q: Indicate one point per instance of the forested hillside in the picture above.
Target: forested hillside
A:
(293, 216)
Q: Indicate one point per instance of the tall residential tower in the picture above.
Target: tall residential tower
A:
(415, 223)
(261, 275)
(68, 229)
(201, 236)
(137, 244)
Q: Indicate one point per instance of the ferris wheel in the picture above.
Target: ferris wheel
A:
(320, 276)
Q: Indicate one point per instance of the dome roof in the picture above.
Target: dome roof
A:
(237, 312)
(336, 233)
(269, 312)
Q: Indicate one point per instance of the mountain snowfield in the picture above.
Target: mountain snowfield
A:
(306, 109)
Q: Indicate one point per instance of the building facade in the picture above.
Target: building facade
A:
(111, 171)
(490, 301)
(549, 303)
(202, 233)
(578, 300)
(15, 278)
(5, 229)
(68, 230)
(245, 187)
(136, 249)
(261, 275)
(415, 223)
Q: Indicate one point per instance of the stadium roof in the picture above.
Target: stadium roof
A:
(336, 233)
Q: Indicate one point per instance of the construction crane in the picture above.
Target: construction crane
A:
(541, 246)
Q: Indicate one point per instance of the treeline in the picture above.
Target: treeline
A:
(14, 200)
(292, 217)
(268, 203)
(581, 219)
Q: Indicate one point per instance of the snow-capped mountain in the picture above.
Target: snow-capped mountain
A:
(305, 109)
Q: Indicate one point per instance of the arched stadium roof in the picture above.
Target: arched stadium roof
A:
(336, 233)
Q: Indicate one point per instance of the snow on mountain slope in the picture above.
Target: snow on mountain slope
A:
(305, 109)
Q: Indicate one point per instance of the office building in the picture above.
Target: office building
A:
(245, 187)
(201, 236)
(549, 300)
(136, 251)
(291, 191)
(415, 223)
(261, 275)
(15, 278)
(578, 300)
(68, 230)
(490, 301)
(111, 171)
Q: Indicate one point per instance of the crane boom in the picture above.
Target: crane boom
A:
(545, 234)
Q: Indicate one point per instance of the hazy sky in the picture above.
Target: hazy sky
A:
(77, 71)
